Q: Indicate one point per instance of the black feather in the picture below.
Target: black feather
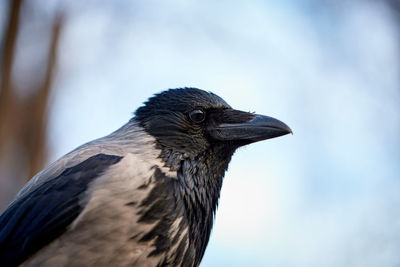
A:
(195, 205)
(38, 218)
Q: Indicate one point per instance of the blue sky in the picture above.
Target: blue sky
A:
(325, 196)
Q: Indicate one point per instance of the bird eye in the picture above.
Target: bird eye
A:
(197, 115)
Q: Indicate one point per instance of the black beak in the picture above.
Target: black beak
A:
(255, 128)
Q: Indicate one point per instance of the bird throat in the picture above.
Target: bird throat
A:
(190, 198)
(199, 177)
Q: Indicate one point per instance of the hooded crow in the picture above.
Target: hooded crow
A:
(145, 195)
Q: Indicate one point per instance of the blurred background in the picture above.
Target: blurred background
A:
(329, 195)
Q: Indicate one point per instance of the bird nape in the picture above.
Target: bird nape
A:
(145, 195)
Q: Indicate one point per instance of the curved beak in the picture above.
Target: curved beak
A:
(258, 128)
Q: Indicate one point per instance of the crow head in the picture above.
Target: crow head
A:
(197, 133)
(188, 122)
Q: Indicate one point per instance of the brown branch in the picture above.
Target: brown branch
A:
(7, 98)
(38, 105)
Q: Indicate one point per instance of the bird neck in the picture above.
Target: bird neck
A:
(200, 176)
(200, 180)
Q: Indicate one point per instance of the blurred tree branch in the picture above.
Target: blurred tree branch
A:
(36, 125)
(6, 94)
(23, 120)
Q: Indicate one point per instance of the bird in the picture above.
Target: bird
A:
(144, 195)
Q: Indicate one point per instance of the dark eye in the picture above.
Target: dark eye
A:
(197, 115)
